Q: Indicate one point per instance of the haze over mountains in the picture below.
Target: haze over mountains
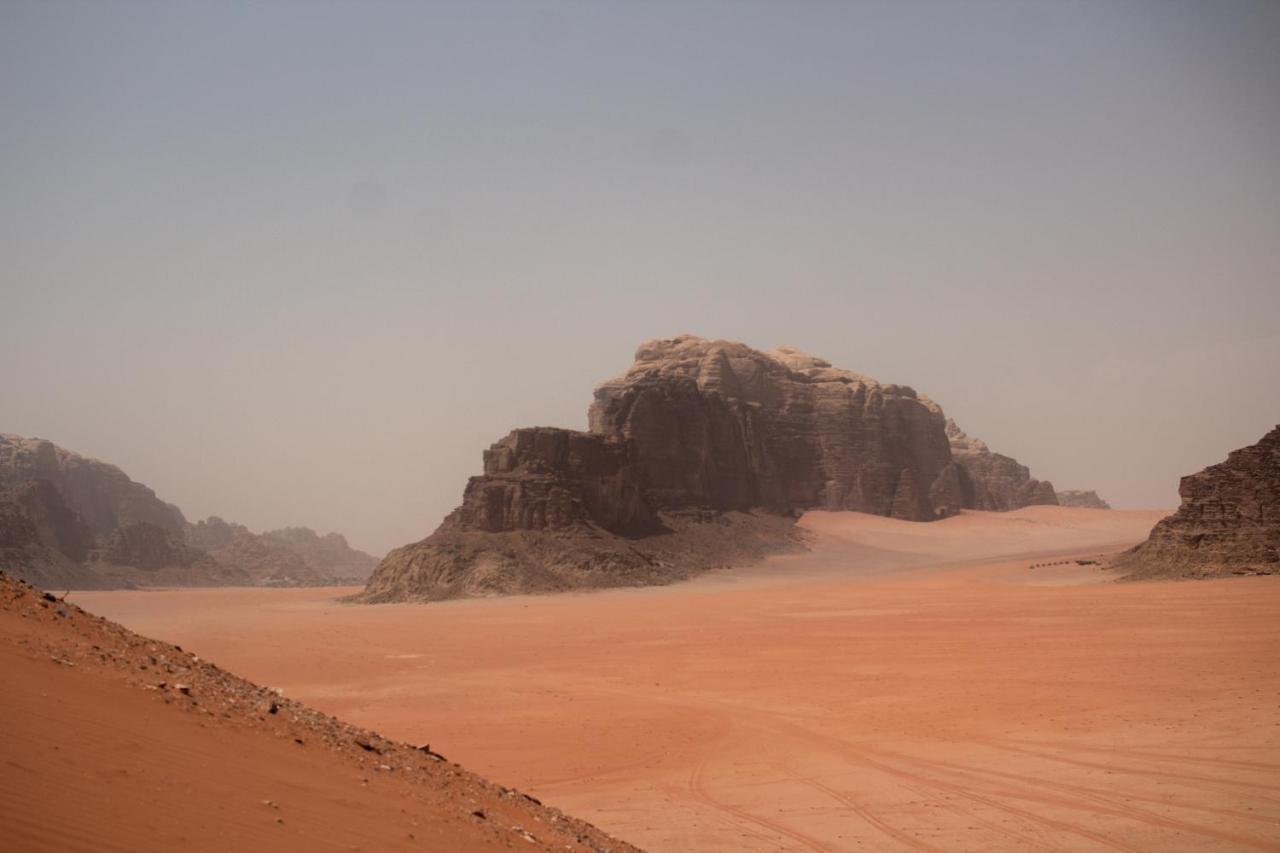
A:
(67, 521)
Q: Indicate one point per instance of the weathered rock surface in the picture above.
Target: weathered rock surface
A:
(1228, 523)
(67, 521)
(1087, 500)
(718, 424)
(993, 481)
(699, 455)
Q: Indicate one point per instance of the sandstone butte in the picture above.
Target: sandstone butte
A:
(1228, 522)
(700, 454)
(70, 522)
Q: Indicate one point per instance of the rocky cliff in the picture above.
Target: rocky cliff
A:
(1228, 523)
(1087, 500)
(699, 454)
(993, 481)
(73, 522)
(718, 424)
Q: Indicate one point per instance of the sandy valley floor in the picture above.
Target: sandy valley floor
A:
(905, 686)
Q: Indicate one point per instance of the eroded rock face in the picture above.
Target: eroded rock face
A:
(700, 454)
(1087, 500)
(1228, 523)
(993, 481)
(544, 478)
(718, 424)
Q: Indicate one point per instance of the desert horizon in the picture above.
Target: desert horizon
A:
(581, 426)
(899, 686)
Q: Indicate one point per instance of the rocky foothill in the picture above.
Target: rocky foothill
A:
(1228, 523)
(699, 455)
(70, 522)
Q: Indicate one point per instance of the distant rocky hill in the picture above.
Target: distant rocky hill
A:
(698, 455)
(67, 521)
(1087, 500)
(992, 481)
(1228, 523)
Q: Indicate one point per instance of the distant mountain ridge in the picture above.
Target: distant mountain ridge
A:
(70, 521)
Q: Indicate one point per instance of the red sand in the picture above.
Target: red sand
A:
(905, 686)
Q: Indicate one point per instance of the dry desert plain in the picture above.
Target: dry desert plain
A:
(903, 686)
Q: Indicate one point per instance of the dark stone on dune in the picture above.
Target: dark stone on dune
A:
(1087, 500)
(1228, 523)
(701, 454)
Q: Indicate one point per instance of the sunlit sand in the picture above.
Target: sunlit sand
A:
(902, 686)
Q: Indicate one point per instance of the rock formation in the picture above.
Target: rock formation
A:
(1088, 500)
(294, 555)
(721, 425)
(329, 556)
(72, 522)
(1228, 523)
(992, 481)
(698, 455)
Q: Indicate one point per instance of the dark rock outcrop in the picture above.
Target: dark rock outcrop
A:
(67, 521)
(699, 455)
(1087, 500)
(993, 481)
(544, 478)
(1228, 523)
(718, 424)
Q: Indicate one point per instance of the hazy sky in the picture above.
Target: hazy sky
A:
(299, 263)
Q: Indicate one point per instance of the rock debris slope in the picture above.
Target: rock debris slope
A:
(698, 455)
(1228, 523)
(114, 741)
(70, 522)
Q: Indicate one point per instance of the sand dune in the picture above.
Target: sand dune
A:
(113, 742)
(903, 686)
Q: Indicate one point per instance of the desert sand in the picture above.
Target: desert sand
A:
(902, 686)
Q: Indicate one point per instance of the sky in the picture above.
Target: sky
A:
(298, 263)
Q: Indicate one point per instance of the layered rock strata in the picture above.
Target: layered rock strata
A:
(700, 454)
(1228, 522)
